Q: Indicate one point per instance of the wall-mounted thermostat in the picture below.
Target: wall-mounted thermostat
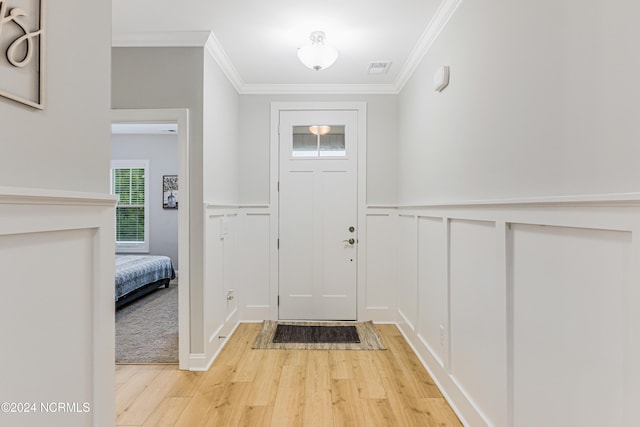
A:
(441, 78)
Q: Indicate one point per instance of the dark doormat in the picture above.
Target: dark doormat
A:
(367, 334)
(316, 334)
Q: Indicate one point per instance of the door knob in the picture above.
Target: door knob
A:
(350, 241)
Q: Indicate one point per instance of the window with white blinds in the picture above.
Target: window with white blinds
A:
(129, 180)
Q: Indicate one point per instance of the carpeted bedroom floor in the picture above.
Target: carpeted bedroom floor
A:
(147, 329)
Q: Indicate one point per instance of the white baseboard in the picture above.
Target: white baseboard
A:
(442, 380)
(378, 315)
(198, 362)
(216, 342)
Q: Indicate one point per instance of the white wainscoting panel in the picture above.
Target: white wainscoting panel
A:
(230, 240)
(57, 306)
(214, 308)
(49, 337)
(220, 277)
(256, 289)
(433, 290)
(380, 294)
(407, 287)
(569, 290)
(478, 318)
(543, 304)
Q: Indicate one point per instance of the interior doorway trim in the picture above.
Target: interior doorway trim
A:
(361, 109)
(181, 117)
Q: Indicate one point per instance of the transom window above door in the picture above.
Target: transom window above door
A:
(314, 141)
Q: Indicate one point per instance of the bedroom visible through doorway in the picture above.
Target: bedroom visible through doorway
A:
(144, 175)
(167, 200)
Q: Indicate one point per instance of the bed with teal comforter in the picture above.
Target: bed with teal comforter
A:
(137, 275)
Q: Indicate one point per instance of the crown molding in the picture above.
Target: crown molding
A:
(445, 11)
(161, 39)
(209, 41)
(217, 52)
(318, 89)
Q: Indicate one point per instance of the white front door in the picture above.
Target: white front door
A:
(318, 211)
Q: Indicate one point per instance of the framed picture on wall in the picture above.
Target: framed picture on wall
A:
(22, 51)
(170, 191)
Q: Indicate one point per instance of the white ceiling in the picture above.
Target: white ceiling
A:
(256, 40)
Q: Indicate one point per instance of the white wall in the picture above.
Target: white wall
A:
(514, 304)
(221, 128)
(172, 78)
(188, 77)
(258, 272)
(382, 116)
(42, 149)
(56, 245)
(542, 101)
(258, 268)
(220, 171)
(162, 153)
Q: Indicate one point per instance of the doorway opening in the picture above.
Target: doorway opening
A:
(159, 137)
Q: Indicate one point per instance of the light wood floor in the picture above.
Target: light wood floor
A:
(246, 387)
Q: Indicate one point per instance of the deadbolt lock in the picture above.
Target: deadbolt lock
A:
(352, 229)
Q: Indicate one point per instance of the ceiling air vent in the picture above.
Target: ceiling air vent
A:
(379, 67)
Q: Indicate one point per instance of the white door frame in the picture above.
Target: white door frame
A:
(181, 117)
(361, 109)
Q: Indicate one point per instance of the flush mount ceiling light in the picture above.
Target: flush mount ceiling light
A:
(320, 130)
(317, 55)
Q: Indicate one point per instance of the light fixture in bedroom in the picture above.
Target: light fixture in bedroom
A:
(317, 55)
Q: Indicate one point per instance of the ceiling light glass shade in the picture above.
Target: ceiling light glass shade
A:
(320, 130)
(317, 55)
